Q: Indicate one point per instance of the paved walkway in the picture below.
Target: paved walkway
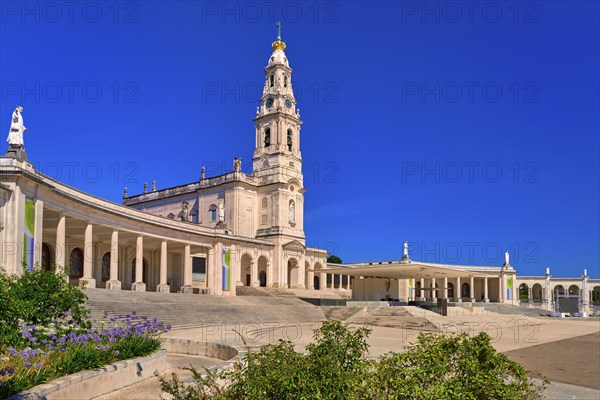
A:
(150, 388)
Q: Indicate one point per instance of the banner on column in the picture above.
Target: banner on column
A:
(226, 269)
(509, 288)
(28, 232)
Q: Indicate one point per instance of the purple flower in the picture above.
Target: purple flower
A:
(27, 364)
(116, 352)
(39, 365)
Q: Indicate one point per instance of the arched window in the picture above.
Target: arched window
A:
(213, 212)
(264, 217)
(271, 80)
(289, 139)
(46, 261)
(267, 137)
(285, 81)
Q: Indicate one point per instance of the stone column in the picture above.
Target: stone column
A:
(187, 270)
(446, 288)
(500, 289)
(422, 294)
(433, 291)
(163, 286)
(458, 291)
(38, 234)
(584, 295)
(113, 282)
(529, 294)
(347, 282)
(139, 285)
(322, 281)
(88, 258)
(254, 274)
(486, 298)
(61, 250)
(547, 296)
(472, 289)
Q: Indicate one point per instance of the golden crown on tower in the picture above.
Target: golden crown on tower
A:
(278, 44)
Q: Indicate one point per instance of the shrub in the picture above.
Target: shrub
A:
(37, 297)
(335, 366)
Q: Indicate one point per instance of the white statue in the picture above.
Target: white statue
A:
(506, 258)
(292, 212)
(221, 212)
(15, 136)
(237, 164)
(406, 249)
(185, 212)
(585, 272)
(547, 271)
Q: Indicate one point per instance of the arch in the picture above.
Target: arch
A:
(292, 272)
(212, 211)
(317, 282)
(47, 257)
(465, 291)
(573, 290)
(523, 292)
(537, 292)
(596, 294)
(558, 290)
(194, 215)
(246, 269)
(285, 81)
(267, 137)
(450, 290)
(271, 80)
(262, 271)
(418, 289)
(76, 263)
(105, 270)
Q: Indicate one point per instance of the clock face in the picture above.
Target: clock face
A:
(288, 103)
(269, 103)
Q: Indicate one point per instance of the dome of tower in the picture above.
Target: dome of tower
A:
(278, 56)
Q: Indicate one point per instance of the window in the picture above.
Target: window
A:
(213, 212)
(271, 79)
(198, 268)
(194, 215)
(264, 218)
(264, 203)
(285, 80)
(267, 137)
(289, 139)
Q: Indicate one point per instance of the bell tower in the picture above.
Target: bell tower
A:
(277, 161)
(277, 151)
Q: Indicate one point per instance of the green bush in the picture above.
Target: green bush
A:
(335, 366)
(37, 297)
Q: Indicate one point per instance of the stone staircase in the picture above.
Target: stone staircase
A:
(507, 309)
(401, 317)
(189, 311)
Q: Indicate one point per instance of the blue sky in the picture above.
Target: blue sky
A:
(465, 130)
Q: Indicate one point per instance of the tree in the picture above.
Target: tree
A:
(333, 259)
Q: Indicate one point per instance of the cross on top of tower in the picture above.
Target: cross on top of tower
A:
(278, 24)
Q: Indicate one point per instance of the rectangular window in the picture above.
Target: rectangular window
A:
(264, 220)
(198, 268)
(213, 215)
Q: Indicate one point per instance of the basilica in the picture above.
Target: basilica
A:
(220, 233)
